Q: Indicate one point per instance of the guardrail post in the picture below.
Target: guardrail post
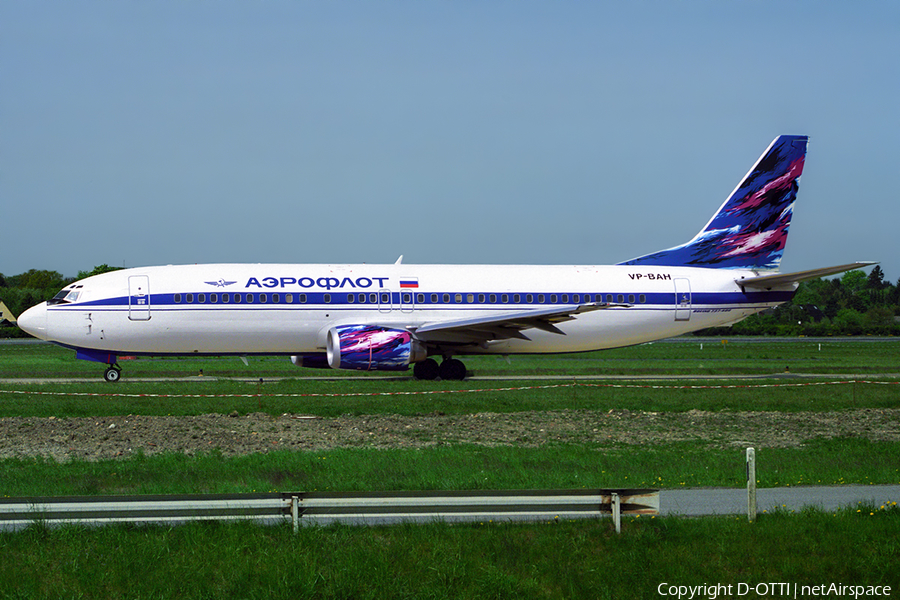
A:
(751, 485)
(295, 512)
(617, 511)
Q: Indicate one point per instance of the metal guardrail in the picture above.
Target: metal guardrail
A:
(364, 508)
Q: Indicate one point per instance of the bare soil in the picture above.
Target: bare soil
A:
(99, 438)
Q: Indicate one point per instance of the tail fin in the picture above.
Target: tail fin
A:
(750, 229)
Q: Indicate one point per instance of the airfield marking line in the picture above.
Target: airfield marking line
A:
(468, 391)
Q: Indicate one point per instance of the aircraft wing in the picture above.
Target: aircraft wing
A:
(504, 326)
(767, 282)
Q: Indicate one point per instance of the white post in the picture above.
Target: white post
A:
(617, 512)
(295, 512)
(751, 485)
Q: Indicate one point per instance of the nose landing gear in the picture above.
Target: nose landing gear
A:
(112, 373)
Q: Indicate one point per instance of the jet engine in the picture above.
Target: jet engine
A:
(372, 348)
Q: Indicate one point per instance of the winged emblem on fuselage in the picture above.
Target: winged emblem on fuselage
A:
(220, 283)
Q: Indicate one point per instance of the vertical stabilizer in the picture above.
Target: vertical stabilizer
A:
(750, 229)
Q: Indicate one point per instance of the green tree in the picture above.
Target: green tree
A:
(104, 268)
(38, 279)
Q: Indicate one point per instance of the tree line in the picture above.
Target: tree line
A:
(853, 304)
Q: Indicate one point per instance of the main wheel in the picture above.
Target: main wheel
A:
(112, 374)
(428, 370)
(453, 370)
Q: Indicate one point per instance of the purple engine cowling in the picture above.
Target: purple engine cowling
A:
(372, 348)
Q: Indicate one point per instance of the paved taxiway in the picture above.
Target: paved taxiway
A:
(730, 501)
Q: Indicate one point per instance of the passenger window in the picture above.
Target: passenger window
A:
(540, 298)
(504, 298)
(189, 298)
(263, 298)
(630, 298)
(213, 298)
(301, 298)
(493, 298)
(481, 298)
(609, 298)
(552, 298)
(373, 299)
(350, 298)
(407, 298)
(470, 298)
(517, 298)
(237, 298)
(362, 298)
(420, 298)
(576, 298)
(385, 298)
(249, 298)
(201, 298)
(642, 298)
(434, 298)
(289, 298)
(177, 298)
(446, 298)
(226, 298)
(276, 298)
(529, 298)
(326, 298)
(620, 298)
(458, 298)
(564, 298)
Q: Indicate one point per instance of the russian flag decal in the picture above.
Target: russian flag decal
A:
(409, 282)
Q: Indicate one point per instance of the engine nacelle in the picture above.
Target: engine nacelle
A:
(372, 348)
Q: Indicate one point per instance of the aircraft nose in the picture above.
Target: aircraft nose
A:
(34, 321)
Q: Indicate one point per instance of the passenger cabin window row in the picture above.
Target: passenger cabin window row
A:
(407, 298)
(239, 298)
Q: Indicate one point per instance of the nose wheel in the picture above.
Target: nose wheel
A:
(112, 374)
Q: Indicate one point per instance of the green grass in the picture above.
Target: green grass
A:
(459, 467)
(685, 356)
(410, 397)
(583, 559)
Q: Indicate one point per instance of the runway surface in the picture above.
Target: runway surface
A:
(729, 501)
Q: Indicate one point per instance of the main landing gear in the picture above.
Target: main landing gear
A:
(113, 373)
(450, 369)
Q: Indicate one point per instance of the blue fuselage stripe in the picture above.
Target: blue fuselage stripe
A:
(260, 300)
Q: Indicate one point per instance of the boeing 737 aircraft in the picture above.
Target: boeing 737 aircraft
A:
(388, 317)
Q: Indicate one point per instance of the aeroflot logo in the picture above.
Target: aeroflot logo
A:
(329, 283)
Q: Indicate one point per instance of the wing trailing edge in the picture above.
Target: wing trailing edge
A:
(506, 326)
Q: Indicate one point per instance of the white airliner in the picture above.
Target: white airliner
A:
(388, 317)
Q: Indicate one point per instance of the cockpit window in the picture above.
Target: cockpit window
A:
(65, 296)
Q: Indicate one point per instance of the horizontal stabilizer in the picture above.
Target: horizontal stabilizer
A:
(767, 282)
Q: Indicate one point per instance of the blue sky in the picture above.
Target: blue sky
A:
(139, 133)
